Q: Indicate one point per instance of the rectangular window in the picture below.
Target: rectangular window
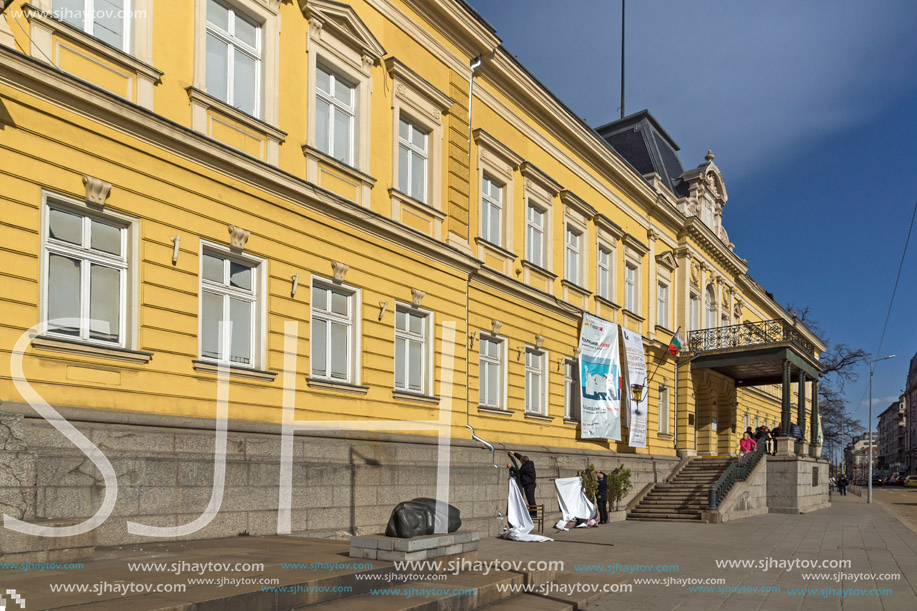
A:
(534, 381)
(534, 235)
(332, 338)
(410, 349)
(228, 295)
(107, 20)
(662, 305)
(490, 393)
(605, 271)
(757, 422)
(693, 311)
(571, 390)
(86, 276)
(630, 288)
(724, 319)
(233, 58)
(491, 211)
(412, 160)
(664, 408)
(747, 422)
(574, 240)
(335, 115)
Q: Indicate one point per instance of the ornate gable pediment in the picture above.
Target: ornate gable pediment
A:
(667, 260)
(344, 23)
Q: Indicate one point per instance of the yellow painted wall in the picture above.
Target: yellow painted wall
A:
(177, 182)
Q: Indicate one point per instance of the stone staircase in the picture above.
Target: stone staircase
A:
(684, 498)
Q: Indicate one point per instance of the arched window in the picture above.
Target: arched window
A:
(711, 308)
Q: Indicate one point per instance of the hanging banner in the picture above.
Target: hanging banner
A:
(600, 379)
(635, 375)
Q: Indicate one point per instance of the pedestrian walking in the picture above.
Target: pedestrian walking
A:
(842, 485)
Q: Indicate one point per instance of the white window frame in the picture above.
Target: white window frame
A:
(334, 104)
(710, 314)
(632, 287)
(572, 397)
(125, 263)
(605, 272)
(259, 290)
(665, 407)
(424, 154)
(89, 8)
(353, 320)
(500, 362)
(488, 201)
(694, 311)
(232, 42)
(535, 233)
(426, 357)
(662, 303)
(542, 387)
(573, 254)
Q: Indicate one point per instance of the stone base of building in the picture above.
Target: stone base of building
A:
(796, 484)
(343, 483)
(457, 545)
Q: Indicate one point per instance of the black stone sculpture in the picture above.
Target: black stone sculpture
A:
(418, 517)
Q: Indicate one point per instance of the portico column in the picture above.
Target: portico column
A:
(813, 436)
(785, 413)
(801, 410)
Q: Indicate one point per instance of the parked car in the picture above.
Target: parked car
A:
(911, 481)
(878, 481)
(895, 480)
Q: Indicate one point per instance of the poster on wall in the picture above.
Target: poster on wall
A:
(600, 379)
(635, 374)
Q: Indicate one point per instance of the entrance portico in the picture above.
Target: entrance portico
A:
(750, 354)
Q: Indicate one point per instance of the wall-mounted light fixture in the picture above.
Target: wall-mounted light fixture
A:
(471, 339)
(383, 305)
(295, 279)
(176, 244)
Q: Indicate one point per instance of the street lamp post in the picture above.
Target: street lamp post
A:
(869, 434)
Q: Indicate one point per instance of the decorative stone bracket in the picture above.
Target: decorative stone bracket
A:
(416, 297)
(338, 271)
(238, 237)
(97, 190)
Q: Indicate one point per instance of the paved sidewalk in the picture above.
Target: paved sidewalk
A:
(868, 536)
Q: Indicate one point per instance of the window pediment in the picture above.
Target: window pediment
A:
(343, 22)
(667, 260)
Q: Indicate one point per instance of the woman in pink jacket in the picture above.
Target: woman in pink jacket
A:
(747, 444)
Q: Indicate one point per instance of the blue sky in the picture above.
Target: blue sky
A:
(811, 110)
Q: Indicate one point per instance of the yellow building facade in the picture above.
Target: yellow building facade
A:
(380, 180)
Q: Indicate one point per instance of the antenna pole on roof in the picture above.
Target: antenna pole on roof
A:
(622, 57)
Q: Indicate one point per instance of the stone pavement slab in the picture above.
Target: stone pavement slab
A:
(868, 536)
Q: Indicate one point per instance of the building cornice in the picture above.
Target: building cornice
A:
(498, 281)
(458, 24)
(570, 199)
(701, 235)
(32, 77)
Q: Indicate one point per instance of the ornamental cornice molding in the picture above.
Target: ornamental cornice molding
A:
(68, 93)
(398, 70)
(531, 172)
(574, 202)
(501, 282)
(485, 140)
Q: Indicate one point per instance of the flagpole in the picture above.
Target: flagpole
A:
(662, 359)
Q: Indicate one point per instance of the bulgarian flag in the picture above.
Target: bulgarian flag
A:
(676, 343)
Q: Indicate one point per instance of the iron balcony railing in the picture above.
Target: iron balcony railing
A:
(747, 334)
(735, 472)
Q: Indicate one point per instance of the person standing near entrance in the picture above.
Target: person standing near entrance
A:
(601, 498)
(525, 474)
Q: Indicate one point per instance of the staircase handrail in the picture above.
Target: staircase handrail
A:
(735, 472)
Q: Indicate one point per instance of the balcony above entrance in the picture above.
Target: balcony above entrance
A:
(754, 353)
